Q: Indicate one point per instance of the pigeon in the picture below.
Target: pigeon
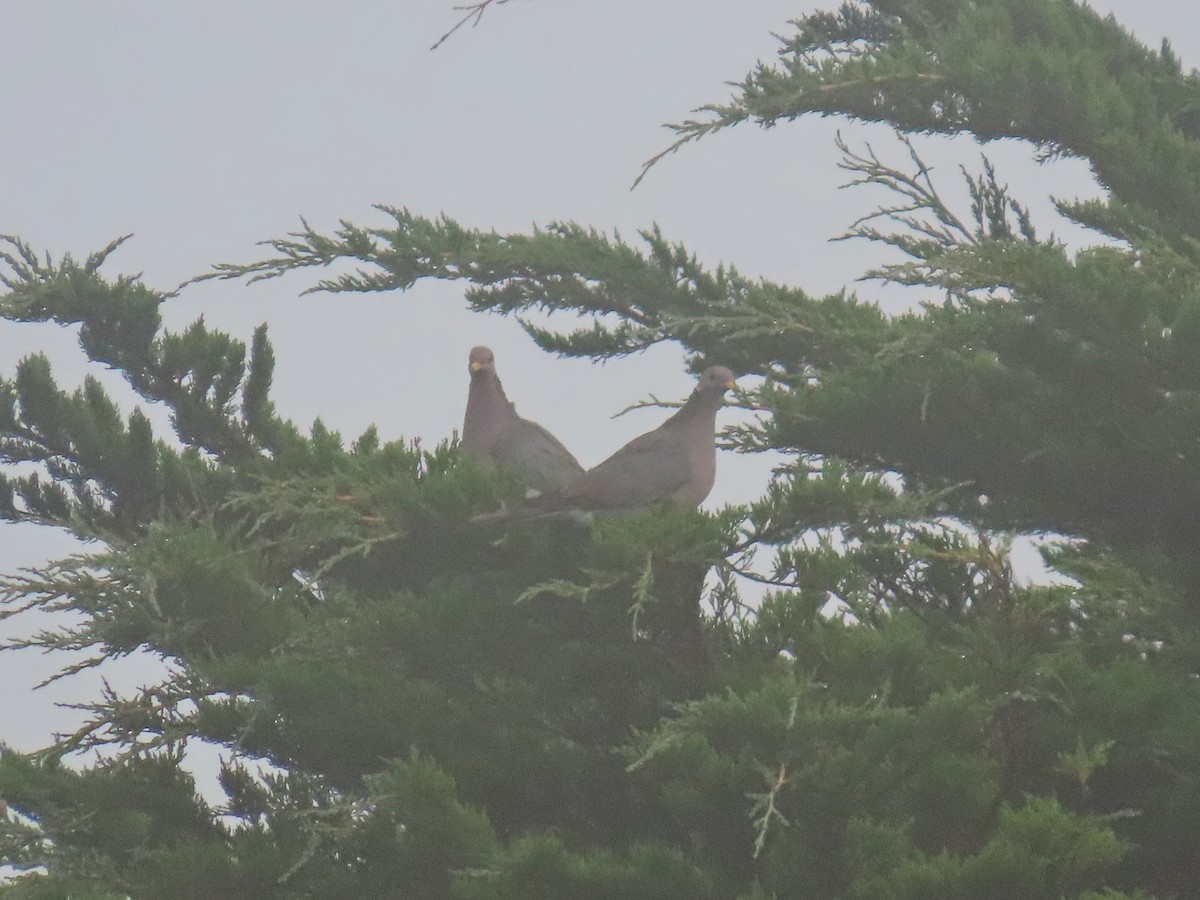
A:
(675, 462)
(494, 435)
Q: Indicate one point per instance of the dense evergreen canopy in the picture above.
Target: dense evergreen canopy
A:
(414, 706)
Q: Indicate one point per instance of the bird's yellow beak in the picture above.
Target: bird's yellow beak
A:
(730, 385)
(475, 366)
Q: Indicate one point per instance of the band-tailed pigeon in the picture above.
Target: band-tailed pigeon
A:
(494, 434)
(676, 461)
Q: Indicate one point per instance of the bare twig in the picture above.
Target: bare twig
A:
(918, 188)
(471, 11)
(652, 403)
(765, 811)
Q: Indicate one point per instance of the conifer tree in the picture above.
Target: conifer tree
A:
(414, 706)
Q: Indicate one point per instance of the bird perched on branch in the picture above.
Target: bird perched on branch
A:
(494, 435)
(675, 462)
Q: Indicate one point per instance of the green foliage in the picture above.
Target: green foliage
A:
(412, 704)
(1040, 851)
(541, 868)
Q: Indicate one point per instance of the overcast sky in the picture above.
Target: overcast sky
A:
(203, 128)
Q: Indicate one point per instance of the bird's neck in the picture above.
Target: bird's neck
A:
(700, 412)
(695, 423)
(487, 407)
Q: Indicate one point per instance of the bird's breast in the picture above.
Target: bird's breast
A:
(702, 472)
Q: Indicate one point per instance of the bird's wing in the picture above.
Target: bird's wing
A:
(645, 470)
(536, 456)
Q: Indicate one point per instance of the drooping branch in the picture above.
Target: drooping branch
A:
(950, 68)
(633, 298)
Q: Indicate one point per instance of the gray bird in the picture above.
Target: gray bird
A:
(495, 435)
(676, 461)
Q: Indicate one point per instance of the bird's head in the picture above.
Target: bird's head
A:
(715, 381)
(481, 362)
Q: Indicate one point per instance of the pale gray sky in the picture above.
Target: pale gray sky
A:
(203, 128)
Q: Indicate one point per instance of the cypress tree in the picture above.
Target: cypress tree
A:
(415, 706)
